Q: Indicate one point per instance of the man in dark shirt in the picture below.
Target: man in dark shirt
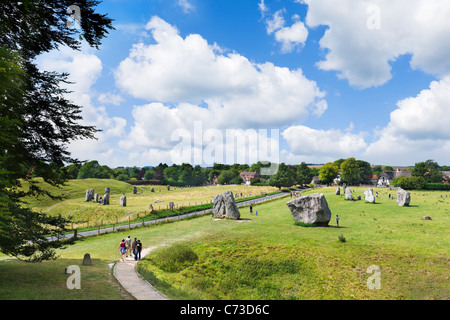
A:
(137, 255)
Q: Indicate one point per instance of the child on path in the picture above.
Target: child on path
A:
(337, 220)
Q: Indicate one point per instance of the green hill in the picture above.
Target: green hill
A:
(74, 189)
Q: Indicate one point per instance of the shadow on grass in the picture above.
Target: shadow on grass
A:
(314, 225)
(337, 227)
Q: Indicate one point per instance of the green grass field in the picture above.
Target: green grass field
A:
(266, 256)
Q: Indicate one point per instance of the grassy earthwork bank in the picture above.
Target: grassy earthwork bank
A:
(266, 256)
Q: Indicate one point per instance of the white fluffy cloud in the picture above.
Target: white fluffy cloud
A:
(84, 68)
(365, 36)
(186, 5)
(190, 84)
(158, 127)
(418, 128)
(290, 37)
(237, 92)
(323, 144)
(426, 115)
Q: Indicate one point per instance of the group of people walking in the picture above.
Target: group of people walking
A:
(130, 248)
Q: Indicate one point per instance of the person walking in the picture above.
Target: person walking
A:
(137, 255)
(128, 246)
(251, 208)
(337, 220)
(133, 246)
(122, 249)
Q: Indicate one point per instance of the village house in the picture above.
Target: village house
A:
(446, 177)
(386, 177)
(373, 179)
(247, 176)
(315, 180)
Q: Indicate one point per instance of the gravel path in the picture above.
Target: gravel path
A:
(126, 274)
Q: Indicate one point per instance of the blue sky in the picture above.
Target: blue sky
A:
(368, 79)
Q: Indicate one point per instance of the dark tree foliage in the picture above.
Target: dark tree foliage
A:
(36, 120)
(284, 177)
(304, 174)
(429, 170)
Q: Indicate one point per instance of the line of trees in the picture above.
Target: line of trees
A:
(188, 175)
(179, 175)
(349, 171)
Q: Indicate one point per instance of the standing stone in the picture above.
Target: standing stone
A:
(96, 197)
(106, 199)
(152, 189)
(123, 201)
(338, 190)
(88, 196)
(91, 194)
(168, 188)
(87, 260)
(403, 198)
(369, 197)
(225, 207)
(134, 190)
(310, 209)
(348, 194)
(150, 207)
(107, 190)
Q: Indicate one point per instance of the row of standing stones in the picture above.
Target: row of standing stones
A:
(403, 196)
(92, 196)
(313, 209)
(310, 209)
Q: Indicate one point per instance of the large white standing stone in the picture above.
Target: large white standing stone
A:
(310, 209)
(369, 196)
(225, 206)
(403, 197)
(348, 194)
